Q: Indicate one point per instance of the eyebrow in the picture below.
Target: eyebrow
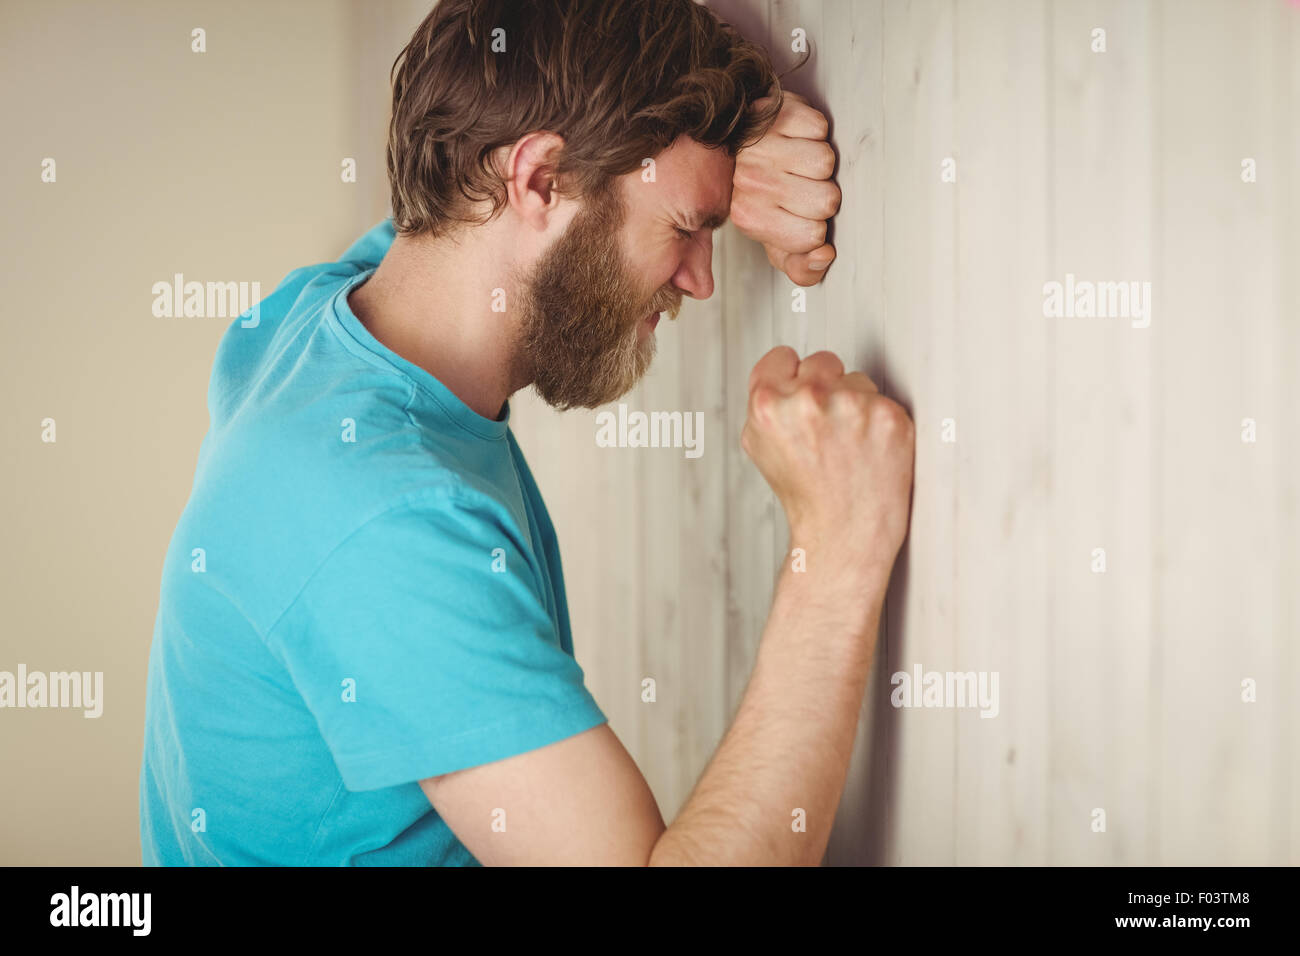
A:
(706, 220)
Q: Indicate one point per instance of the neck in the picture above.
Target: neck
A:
(431, 303)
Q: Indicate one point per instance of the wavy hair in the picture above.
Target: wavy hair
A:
(618, 80)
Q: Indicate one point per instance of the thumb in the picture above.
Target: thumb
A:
(803, 268)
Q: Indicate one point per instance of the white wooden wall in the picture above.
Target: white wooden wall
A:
(1119, 691)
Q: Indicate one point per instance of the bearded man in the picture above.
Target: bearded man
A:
(362, 652)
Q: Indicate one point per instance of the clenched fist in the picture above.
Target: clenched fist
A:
(838, 455)
(782, 194)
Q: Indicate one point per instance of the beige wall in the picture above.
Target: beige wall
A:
(1118, 690)
(223, 166)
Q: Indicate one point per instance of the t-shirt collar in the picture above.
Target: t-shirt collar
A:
(428, 388)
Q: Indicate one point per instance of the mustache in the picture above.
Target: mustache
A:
(668, 302)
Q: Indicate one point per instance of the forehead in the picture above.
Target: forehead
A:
(691, 182)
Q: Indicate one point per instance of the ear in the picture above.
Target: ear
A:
(530, 177)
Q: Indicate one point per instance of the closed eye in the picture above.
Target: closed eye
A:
(684, 233)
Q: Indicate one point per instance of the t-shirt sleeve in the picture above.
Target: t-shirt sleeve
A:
(423, 645)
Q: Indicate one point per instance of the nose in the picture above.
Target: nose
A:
(695, 276)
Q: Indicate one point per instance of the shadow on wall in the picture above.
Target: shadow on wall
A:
(882, 782)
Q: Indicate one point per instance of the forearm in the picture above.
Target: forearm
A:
(791, 741)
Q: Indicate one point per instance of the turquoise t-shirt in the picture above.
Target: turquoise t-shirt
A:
(363, 590)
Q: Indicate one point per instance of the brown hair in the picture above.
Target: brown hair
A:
(619, 81)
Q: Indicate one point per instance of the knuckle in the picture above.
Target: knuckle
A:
(810, 399)
(890, 417)
(831, 201)
(819, 126)
(823, 367)
(829, 359)
(747, 179)
(825, 162)
(851, 402)
(740, 215)
(852, 410)
(788, 357)
(765, 372)
(862, 379)
(761, 399)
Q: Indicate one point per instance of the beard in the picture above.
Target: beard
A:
(580, 343)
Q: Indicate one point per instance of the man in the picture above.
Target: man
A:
(362, 653)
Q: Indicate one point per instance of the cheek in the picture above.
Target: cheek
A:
(651, 260)
(655, 277)
(647, 270)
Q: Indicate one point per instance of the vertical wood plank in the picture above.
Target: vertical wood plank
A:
(1003, 437)
(1098, 627)
(918, 367)
(852, 51)
(664, 646)
(752, 510)
(804, 331)
(701, 553)
(1219, 296)
(1285, 31)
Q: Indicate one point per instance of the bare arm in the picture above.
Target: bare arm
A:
(839, 457)
(582, 801)
(787, 753)
(578, 802)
